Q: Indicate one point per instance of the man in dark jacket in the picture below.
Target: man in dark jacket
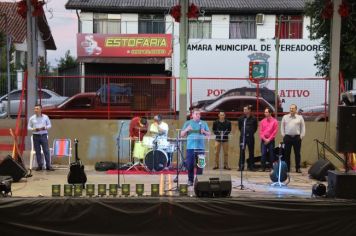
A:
(248, 127)
(222, 129)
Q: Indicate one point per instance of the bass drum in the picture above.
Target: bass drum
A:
(156, 160)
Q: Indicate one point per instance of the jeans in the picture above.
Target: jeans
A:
(250, 143)
(38, 141)
(192, 155)
(269, 148)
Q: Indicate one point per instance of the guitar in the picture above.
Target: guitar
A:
(280, 169)
(76, 173)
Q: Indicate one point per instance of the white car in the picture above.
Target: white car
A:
(48, 98)
(314, 113)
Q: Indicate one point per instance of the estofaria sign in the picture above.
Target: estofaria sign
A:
(116, 45)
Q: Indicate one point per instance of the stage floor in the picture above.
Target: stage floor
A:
(257, 184)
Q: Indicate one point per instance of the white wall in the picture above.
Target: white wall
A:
(267, 30)
(306, 23)
(220, 26)
(129, 23)
(87, 22)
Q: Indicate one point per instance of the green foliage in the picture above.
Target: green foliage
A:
(67, 62)
(321, 29)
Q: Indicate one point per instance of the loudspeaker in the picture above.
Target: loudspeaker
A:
(341, 184)
(212, 186)
(12, 168)
(346, 127)
(319, 170)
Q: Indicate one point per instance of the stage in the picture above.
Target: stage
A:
(258, 210)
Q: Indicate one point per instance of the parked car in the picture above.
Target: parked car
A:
(93, 106)
(233, 107)
(48, 98)
(314, 113)
(267, 94)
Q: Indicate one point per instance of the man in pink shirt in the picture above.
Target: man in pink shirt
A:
(268, 131)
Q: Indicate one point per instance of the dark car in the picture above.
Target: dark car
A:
(267, 94)
(93, 106)
(233, 107)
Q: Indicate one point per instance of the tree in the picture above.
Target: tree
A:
(321, 12)
(67, 62)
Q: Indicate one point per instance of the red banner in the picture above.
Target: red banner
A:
(124, 45)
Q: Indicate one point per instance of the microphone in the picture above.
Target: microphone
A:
(200, 127)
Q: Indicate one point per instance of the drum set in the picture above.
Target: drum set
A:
(153, 153)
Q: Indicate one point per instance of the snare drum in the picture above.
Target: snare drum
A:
(162, 144)
(156, 160)
(148, 141)
(139, 150)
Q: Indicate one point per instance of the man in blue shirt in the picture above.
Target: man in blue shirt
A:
(39, 124)
(195, 130)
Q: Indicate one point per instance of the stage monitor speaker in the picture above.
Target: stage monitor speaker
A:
(346, 129)
(341, 184)
(319, 170)
(212, 186)
(12, 168)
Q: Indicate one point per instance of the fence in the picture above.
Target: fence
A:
(211, 95)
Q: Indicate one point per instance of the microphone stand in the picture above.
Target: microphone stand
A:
(179, 156)
(118, 155)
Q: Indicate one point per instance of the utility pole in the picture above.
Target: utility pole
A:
(32, 49)
(183, 60)
(334, 73)
(278, 39)
(8, 48)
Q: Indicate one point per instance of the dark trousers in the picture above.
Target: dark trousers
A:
(250, 143)
(38, 141)
(192, 155)
(296, 143)
(267, 149)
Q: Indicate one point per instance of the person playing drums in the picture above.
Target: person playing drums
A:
(138, 128)
(159, 130)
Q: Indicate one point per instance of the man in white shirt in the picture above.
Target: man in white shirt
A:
(293, 131)
(159, 128)
(39, 124)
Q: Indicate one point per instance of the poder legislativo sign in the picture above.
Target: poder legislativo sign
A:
(126, 45)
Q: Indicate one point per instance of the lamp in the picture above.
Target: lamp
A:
(102, 189)
(125, 190)
(319, 190)
(56, 190)
(78, 190)
(154, 190)
(68, 190)
(90, 190)
(113, 189)
(140, 188)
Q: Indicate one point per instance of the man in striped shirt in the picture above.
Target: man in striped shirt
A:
(293, 131)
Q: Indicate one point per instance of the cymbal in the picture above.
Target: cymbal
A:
(129, 138)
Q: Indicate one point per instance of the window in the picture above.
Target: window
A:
(104, 25)
(291, 27)
(200, 29)
(243, 27)
(151, 24)
(80, 103)
(15, 95)
(44, 95)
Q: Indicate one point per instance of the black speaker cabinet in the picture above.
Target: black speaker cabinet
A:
(346, 129)
(212, 186)
(319, 170)
(10, 167)
(341, 184)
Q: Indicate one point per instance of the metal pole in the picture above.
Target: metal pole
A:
(183, 63)
(277, 66)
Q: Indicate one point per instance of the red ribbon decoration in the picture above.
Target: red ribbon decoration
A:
(327, 12)
(175, 13)
(193, 11)
(38, 8)
(344, 9)
(22, 8)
